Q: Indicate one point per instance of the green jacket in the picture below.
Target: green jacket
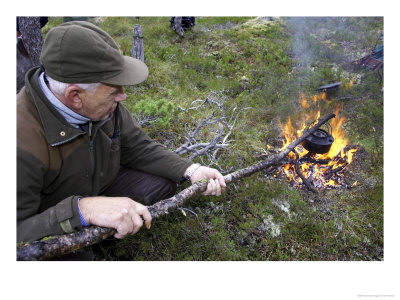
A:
(57, 163)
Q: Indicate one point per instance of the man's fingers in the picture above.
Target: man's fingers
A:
(221, 181)
(213, 188)
(209, 189)
(137, 223)
(123, 229)
(144, 213)
(125, 224)
(147, 224)
(131, 220)
(121, 213)
(218, 188)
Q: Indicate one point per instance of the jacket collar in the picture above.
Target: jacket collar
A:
(57, 130)
(72, 117)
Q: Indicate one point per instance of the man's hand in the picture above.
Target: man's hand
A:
(121, 213)
(216, 182)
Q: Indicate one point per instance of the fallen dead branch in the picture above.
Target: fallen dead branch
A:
(223, 117)
(64, 244)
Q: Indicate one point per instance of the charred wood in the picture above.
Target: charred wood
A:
(313, 161)
(298, 171)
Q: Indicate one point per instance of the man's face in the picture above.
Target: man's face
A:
(100, 104)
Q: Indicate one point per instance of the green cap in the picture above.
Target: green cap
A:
(81, 52)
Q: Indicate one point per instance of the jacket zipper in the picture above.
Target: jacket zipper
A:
(92, 157)
(91, 141)
(91, 152)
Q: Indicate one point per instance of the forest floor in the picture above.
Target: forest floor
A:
(261, 71)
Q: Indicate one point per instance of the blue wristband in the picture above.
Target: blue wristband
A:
(83, 221)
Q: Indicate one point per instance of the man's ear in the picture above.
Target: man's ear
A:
(73, 95)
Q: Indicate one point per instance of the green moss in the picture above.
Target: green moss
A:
(263, 65)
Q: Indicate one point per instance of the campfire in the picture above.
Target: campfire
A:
(320, 160)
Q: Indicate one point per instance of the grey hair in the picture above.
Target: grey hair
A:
(59, 87)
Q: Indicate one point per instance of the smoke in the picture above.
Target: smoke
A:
(301, 45)
(332, 40)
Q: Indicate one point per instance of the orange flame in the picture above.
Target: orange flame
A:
(303, 101)
(349, 84)
(322, 96)
(322, 175)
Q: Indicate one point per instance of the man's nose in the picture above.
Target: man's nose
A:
(121, 95)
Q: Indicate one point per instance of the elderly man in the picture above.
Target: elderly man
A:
(81, 157)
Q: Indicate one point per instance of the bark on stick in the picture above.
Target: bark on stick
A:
(67, 243)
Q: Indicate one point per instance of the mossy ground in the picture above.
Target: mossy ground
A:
(263, 64)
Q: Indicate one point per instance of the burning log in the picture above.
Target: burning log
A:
(305, 159)
(321, 157)
(297, 168)
(63, 244)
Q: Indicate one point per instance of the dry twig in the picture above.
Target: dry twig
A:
(225, 118)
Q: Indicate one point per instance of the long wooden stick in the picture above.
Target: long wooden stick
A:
(67, 243)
